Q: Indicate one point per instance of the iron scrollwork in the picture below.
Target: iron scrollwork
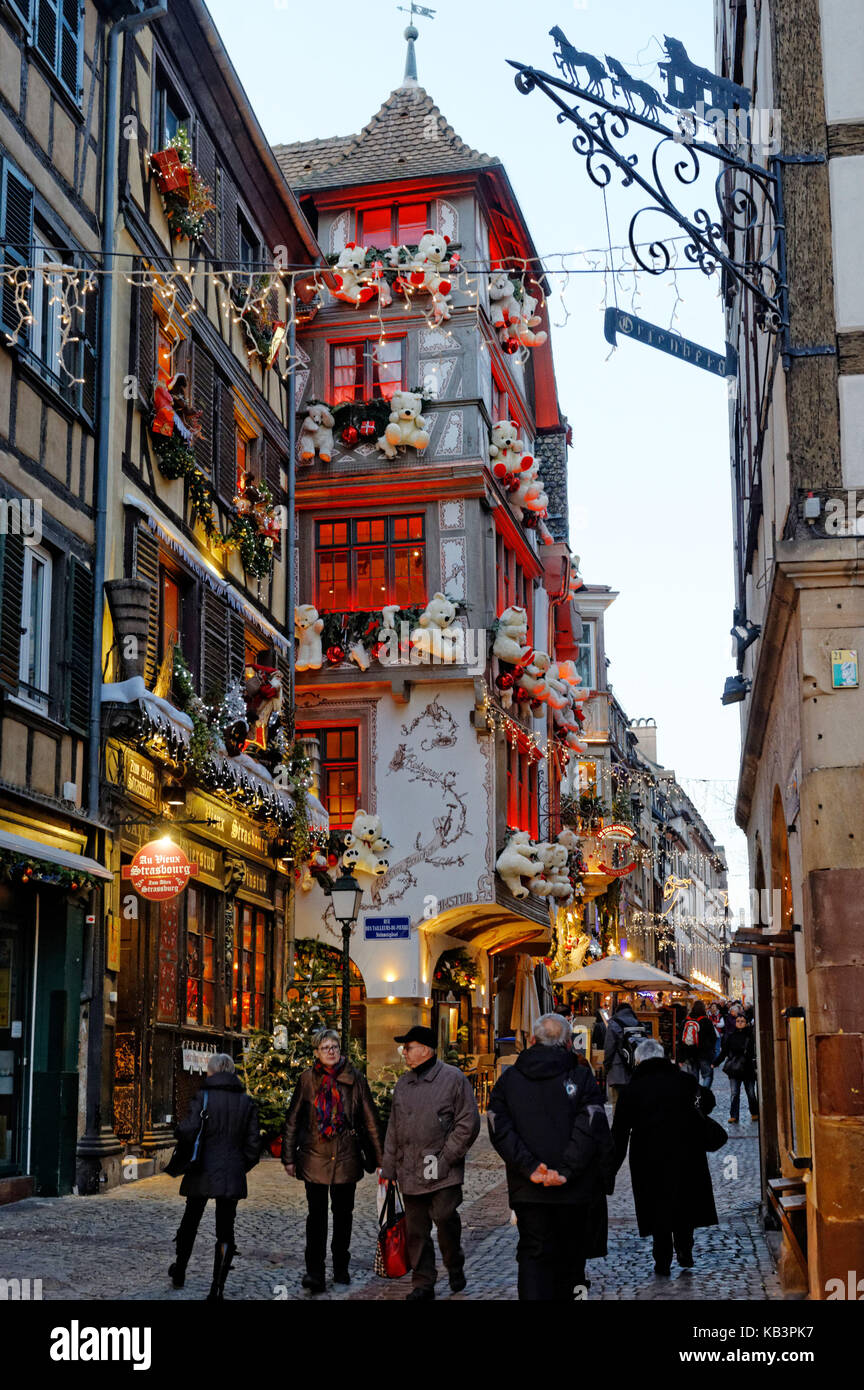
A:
(747, 195)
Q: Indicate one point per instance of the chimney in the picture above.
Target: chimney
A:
(645, 731)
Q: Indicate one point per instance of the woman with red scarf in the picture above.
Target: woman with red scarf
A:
(331, 1134)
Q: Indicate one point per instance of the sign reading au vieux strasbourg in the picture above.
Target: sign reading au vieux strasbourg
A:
(160, 870)
(386, 928)
(686, 351)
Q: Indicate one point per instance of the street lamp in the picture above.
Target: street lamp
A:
(345, 896)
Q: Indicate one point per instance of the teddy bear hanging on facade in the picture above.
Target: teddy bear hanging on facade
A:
(316, 433)
(365, 846)
(429, 272)
(406, 427)
(263, 694)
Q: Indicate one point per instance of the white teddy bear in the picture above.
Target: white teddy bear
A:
(518, 860)
(365, 846)
(529, 494)
(407, 426)
(554, 881)
(316, 433)
(503, 304)
(347, 274)
(528, 321)
(506, 450)
(532, 678)
(428, 272)
(436, 638)
(308, 628)
(511, 637)
(569, 839)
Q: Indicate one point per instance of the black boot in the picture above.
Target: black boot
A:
(222, 1258)
(183, 1244)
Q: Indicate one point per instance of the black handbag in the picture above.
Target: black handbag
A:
(187, 1158)
(713, 1135)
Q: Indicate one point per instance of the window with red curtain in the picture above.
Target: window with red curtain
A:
(366, 562)
(522, 788)
(201, 919)
(371, 368)
(393, 225)
(514, 589)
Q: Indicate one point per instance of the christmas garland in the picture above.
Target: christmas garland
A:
(186, 199)
(341, 631)
(457, 968)
(387, 266)
(23, 869)
(176, 459)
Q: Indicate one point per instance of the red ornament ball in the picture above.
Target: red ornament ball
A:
(350, 436)
(335, 654)
(505, 680)
(332, 860)
(511, 346)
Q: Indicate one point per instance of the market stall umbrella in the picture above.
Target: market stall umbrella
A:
(616, 973)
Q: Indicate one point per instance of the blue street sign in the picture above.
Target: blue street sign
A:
(716, 363)
(386, 928)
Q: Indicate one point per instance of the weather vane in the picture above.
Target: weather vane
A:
(416, 9)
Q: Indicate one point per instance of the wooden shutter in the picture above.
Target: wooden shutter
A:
(79, 636)
(145, 359)
(205, 159)
(11, 599)
(236, 644)
(69, 47)
(203, 384)
(271, 467)
(214, 645)
(228, 220)
(89, 356)
(226, 443)
(146, 565)
(47, 23)
(16, 231)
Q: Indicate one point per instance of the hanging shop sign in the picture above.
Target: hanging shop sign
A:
(159, 871)
(386, 928)
(135, 774)
(617, 858)
(716, 363)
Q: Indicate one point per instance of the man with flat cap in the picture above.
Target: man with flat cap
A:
(433, 1123)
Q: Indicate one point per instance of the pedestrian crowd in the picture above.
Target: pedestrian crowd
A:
(547, 1120)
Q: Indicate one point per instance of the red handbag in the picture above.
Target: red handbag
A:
(391, 1249)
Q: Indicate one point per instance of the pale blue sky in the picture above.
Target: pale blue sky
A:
(650, 491)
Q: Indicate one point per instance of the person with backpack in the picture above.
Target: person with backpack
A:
(738, 1058)
(623, 1034)
(697, 1045)
(546, 1120)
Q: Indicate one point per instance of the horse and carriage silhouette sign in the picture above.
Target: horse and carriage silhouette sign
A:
(743, 236)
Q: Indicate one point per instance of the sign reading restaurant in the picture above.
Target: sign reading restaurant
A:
(159, 870)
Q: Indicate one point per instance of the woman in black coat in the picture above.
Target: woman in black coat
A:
(657, 1115)
(738, 1059)
(230, 1146)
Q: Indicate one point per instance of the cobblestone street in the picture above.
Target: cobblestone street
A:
(119, 1245)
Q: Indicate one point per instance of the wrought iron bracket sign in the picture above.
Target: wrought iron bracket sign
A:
(718, 363)
(730, 237)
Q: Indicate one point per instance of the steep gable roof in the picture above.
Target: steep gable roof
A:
(408, 135)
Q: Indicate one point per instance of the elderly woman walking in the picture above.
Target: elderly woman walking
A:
(658, 1115)
(230, 1145)
(331, 1134)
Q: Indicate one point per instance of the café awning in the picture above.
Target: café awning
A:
(63, 858)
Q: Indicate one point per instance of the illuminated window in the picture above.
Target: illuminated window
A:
(587, 779)
(250, 969)
(165, 346)
(393, 225)
(366, 370)
(514, 589)
(201, 917)
(367, 562)
(340, 773)
(521, 789)
(170, 617)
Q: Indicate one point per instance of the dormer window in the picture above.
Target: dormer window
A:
(393, 225)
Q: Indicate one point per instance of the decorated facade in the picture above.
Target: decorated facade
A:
(435, 608)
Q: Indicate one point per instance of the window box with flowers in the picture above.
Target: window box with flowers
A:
(186, 197)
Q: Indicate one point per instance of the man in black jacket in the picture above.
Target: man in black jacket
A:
(546, 1120)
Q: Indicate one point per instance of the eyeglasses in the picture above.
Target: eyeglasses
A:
(329, 1047)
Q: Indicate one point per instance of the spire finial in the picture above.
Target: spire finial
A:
(411, 33)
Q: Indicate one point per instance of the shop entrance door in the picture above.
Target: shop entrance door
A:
(14, 1030)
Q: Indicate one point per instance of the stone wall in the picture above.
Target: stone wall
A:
(550, 450)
